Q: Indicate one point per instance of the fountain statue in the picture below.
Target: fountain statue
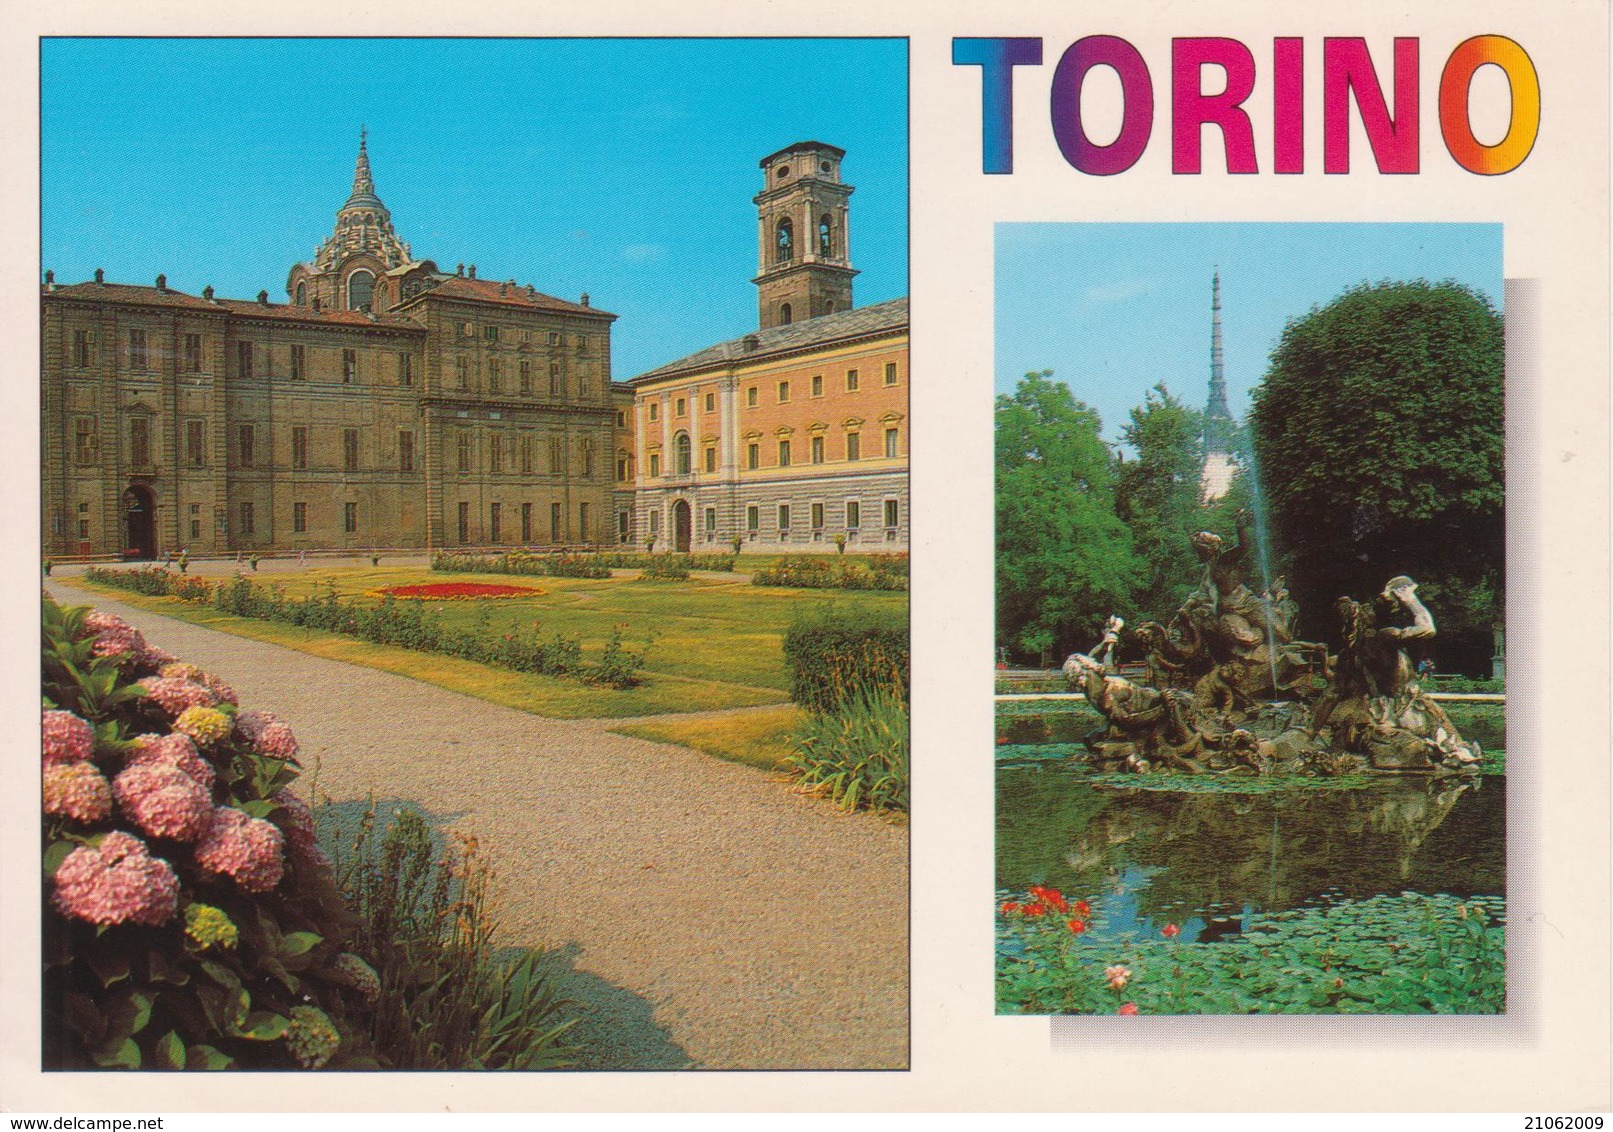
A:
(1229, 690)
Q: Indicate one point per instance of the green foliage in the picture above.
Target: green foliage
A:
(402, 624)
(1405, 954)
(834, 655)
(621, 560)
(448, 999)
(665, 568)
(1158, 496)
(216, 985)
(519, 562)
(809, 571)
(857, 755)
(1064, 560)
(1378, 432)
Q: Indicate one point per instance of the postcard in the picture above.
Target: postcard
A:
(528, 503)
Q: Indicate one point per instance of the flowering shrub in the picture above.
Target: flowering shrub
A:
(519, 562)
(806, 571)
(391, 622)
(665, 567)
(457, 591)
(179, 933)
(1405, 954)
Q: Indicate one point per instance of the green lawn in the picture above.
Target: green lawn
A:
(756, 738)
(714, 642)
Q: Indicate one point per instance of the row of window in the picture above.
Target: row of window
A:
(680, 405)
(506, 453)
(246, 355)
(683, 455)
(521, 379)
(492, 334)
(815, 514)
(299, 519)
(497, 535)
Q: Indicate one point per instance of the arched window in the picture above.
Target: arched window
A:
(681, 449)
(302, 294)
(826, 236)
(784, 314)
(360, 286)
(786, 240)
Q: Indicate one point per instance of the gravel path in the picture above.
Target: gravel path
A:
(702, 914)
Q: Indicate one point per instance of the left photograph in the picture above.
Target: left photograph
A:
(474, 526)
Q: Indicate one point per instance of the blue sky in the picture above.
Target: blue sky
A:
(624, 168)
(1113, 309)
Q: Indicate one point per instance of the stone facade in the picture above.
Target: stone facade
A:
(388, 404)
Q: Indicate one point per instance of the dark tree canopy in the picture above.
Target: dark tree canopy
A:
(1378, 432)
(1064, 561)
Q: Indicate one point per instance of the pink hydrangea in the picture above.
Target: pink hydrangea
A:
(164, 801)
(114, 636)
(78, 791)
(156, 658)
(67, 738)
(176, 750)
(267, 734)
(205, 725)
(225, 693)
(174, 695)
(296, 820)
(247, 849)
(115, 882)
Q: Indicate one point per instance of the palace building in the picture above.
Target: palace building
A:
(391, 404)
(793, 436)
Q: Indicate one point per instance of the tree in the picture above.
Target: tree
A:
(1378, 432)
(1064, 560)
(1159, 497)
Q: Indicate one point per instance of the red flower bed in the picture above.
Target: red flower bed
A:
(450, 591)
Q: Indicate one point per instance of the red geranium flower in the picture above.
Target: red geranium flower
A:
(1083, 909)
(1128, 1008)
(1034, 910)
(1010, 906)
(1076, 926)
(1170, 931)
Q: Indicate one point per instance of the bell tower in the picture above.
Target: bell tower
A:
(803, 238)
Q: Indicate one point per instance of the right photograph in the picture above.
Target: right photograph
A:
(1250, 671)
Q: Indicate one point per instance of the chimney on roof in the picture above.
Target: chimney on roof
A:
(751, 342)
(263, 298)
(585, 298)
(531, 291)
(207, 292)
(473, 271)
(162, 284)
(50, 280)
(316, 304)
(503, 290)
(100, 277)
(460, 270)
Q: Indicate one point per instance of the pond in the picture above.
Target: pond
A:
(1214, 854)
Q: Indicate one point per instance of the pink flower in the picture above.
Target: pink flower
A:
(114, 636)
(1117, 975)
(78, 791)
(1170, 931)
(225, 693)
(296, 820)
(175, 750)
(1128, 1008)
(245, 848)
(174, 695)
(67, 738)
(267, 734)
(115, 882)
(155, 658)
(164, 801)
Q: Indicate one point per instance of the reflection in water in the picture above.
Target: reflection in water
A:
(1206, 861)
